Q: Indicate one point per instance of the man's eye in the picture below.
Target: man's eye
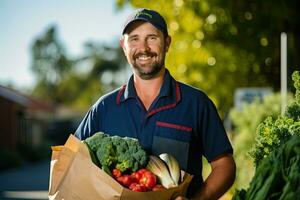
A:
(133, 39)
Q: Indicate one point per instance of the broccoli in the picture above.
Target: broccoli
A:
(141, 157)
(92, 154)
(138, 154)
(123, 153)
(106, 152)
(94, 141)
(120, 144)
(125, 162)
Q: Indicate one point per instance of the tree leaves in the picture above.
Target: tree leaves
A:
(218, 46)
(73, 81)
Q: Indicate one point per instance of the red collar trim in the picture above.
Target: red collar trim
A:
(121, 91)
(178, 98)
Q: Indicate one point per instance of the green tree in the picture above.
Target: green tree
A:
(50, 63)
(220, 45)
(73, 81)
(86, 82)
(49, 60)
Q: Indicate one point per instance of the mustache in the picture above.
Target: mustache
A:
(145, 53)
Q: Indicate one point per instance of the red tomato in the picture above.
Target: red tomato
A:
(148, 179)
(116, 173)
(143, 170)
(136, 176)
(125, 180)
(158, 188)
(138, 187)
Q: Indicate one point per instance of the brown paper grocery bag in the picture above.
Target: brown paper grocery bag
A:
(73, 175)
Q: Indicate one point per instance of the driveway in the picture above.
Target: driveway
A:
(30, 181)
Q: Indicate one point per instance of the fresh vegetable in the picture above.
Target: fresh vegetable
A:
(159, 168)
(125, 180)
(92, 154)
(276, 156)
(95, 141)
(106, 153)
(142, 180)
(116, 173)
(124, 159)
(138, 174)
(122, 153)
(173, 166)
(106, 169)
(141, 171)
(148, 179)
(277, 176)
(138, 187)
(273, 132)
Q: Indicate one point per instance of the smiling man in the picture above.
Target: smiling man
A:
(166, 116)
(145, 48)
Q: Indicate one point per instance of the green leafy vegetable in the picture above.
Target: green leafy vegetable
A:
(277, 156)
(123, 153)
(271, 133)
(277, 176)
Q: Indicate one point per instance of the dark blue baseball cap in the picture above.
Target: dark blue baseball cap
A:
(147, 15)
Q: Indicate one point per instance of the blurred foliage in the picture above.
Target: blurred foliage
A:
(273, 132)
(49, 60)
(217, 46)
(220, 45)
(245, 122)
(74, 82)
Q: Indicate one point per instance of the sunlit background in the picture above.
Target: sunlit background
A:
(58, 57)
(24, 21)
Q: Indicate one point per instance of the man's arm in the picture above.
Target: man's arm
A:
(219, 180)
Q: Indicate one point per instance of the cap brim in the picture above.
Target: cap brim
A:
(135, 20)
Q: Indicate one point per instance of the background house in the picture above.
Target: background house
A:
(23, 119)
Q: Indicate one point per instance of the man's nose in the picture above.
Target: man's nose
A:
(144, 45)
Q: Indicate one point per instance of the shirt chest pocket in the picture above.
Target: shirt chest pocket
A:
(173, 139)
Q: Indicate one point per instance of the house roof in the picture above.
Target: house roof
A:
(14, 96)
(24, 100)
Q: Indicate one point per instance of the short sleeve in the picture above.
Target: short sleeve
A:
(89, 125)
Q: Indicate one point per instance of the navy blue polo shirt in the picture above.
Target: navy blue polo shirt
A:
(181, 121)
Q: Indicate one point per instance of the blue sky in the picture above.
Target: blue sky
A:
(77, 21)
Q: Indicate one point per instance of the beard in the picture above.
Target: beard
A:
(150, 71)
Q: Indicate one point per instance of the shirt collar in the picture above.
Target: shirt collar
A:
(168, 88)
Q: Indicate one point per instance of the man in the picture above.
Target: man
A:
(166, 116)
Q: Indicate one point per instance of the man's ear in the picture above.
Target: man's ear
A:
(168, 43)
(122, 43)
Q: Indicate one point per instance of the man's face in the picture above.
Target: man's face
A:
(145, 48)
